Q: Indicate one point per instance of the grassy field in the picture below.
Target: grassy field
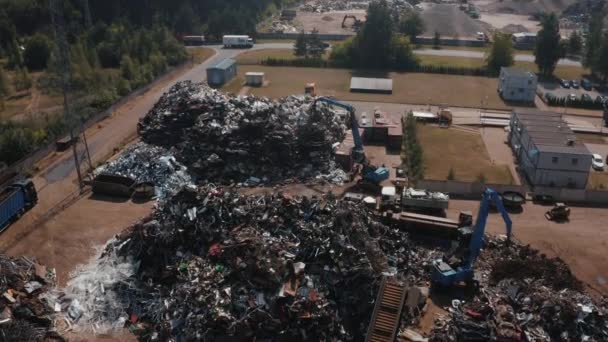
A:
(598, 181)
(589, 138)
(256, 56)
(200, 54)
(410, 88)
(452, 61)
(462, 151)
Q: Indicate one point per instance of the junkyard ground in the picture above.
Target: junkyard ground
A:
(582, 242)
(70, 237)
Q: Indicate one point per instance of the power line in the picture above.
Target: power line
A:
(64, 69)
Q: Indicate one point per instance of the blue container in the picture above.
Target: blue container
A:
(12, 202)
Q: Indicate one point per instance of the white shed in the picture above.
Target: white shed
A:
(254, 79)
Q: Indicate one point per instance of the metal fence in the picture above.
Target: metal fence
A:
(467, 189)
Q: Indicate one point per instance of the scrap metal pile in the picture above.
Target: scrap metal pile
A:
(215, 264)
(525, 297)
(25, 313)
(154, 164)
(227, 139)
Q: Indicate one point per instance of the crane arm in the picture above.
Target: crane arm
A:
(353, 119)
(480, 225)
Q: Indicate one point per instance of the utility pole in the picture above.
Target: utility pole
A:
(56, 9)
(88, 21)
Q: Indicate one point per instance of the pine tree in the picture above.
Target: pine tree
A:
(501, 54)
(4, 88)
(451, 174)
(575, 43)
(316, 47)
(601, 66)
(436, 40)
(301, 45)
(548, 49)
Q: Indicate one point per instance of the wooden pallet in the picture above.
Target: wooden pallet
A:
(387, 312)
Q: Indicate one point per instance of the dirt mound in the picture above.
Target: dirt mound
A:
(527, 7)
(449, 21)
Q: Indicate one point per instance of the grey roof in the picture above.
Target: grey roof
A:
(377, 84)
(549, 132)
(223, 64)
(512, 71)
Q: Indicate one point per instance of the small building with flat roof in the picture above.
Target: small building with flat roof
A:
(547, 151)
(371, 85)
(516, 84)
(221, 72)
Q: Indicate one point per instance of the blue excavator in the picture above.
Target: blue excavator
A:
(369, 173)
(446, 273)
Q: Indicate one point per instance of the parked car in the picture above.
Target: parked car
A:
(586, 97)
(586, 84)
(574, 84)
(564, 83)
(597, 162)
(572, 97)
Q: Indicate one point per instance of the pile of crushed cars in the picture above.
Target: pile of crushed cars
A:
(525, 296)
(227, 139)
(215, 265)
(26, 313)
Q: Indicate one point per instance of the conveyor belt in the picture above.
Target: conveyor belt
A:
(387, 312)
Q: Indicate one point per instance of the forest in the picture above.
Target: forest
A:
(115, 47)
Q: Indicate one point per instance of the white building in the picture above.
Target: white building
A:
(517, 85)
(547, 151)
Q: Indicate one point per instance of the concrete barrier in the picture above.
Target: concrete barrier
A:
(467, 189)
(580, 196)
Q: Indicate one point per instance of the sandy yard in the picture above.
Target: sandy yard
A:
(329, 22)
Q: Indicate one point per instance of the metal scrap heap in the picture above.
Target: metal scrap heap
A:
(525, 296)
(216, 265)
(25, 313)
(227, 139)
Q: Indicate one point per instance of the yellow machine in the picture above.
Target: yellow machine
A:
(310, 89)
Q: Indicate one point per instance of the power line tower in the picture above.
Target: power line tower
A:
(56, 8)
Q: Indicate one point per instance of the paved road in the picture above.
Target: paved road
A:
(428, 52)
(479, 55)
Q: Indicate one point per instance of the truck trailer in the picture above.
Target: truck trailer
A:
(237, 42)
(15, 200)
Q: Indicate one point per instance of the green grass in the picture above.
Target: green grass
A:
(598, 181)
(257, 56)
(200, 54)
(464, 152)
(451, 61)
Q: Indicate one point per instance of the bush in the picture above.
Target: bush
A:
(406, 66)
(37, 52)
(578, 103)
(123, 88)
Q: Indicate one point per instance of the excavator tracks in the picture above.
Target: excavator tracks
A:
(387, 312)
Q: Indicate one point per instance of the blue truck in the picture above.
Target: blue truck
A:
(15, 200)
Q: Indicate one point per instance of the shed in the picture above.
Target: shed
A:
(371, 85)
(221, 72)
(254, 79)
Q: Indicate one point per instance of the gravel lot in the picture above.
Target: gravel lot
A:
(450, 21)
